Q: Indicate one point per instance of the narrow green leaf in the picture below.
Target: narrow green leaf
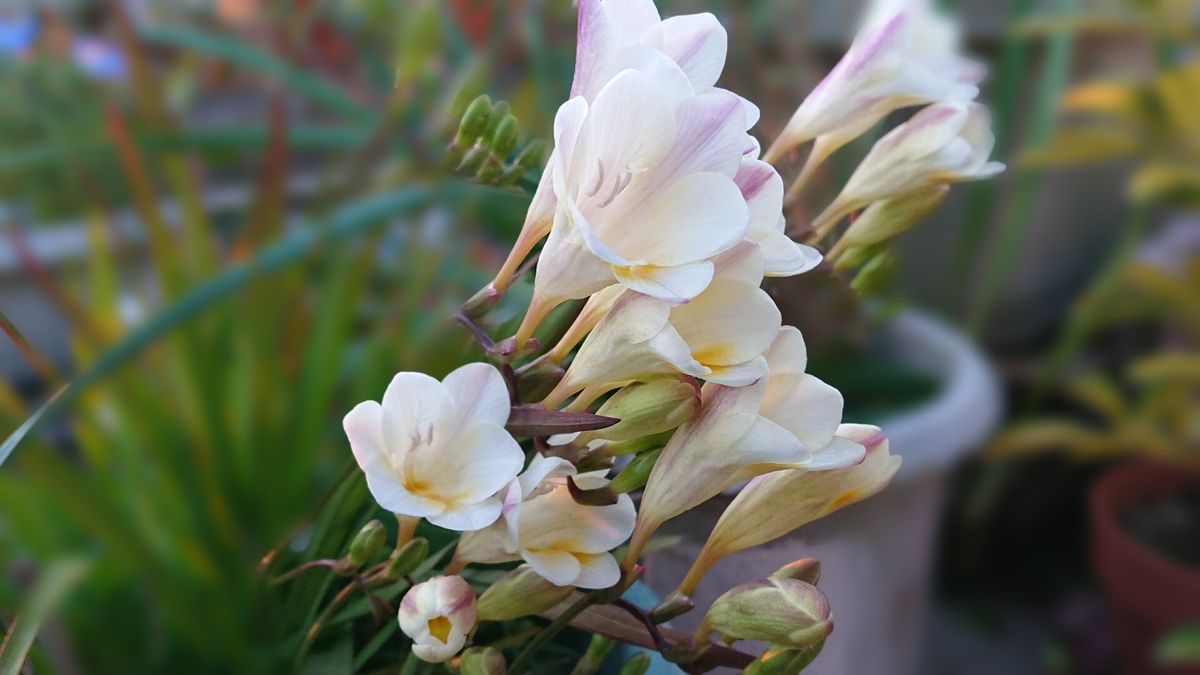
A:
(48, 593)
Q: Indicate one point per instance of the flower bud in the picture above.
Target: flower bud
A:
(649, 408)
(534, 155)
(676, 604)
(519, 593)
(500, 111)
(636, 473)
(366, 544)
(482, 661)
(598, 649)
(785, 612)
(807, 570)
(783, 661)
(438, 615)
(637, 664)
(886, 219)
(875, 274)
(504, 137)
(474, 121)
(407, 558)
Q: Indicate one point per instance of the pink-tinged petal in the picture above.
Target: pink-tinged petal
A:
(698, 43)
(595, 42)
(711, 136)
(631, 19)
(762, 188)
(542, 468)
(743, 263)
(839, 454)
(568, 123)
(693, 219)
(480, 394)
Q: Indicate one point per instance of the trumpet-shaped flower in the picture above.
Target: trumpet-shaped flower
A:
(438, 615)
(720, 335)
(566, 542)
(942, 144)
(685, 53)
(787, 419)
(438, 450)
(906, 54)
(777, 503)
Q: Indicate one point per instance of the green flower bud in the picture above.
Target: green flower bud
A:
(490, 172)
(499, 112)
(473, 161)
(676, 604)
(504, 137)
(636, 473)
(519, 593)
(875, 274)
(534, 155)
(783, 661)
(474, 121)
(807, 570)
(638, 664)
(785, 612)
(596, 652)
(648, 408)
(886, 219)
(407, 558)
(366, 544)
(482, 661)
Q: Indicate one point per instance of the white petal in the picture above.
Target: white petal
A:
(730, 323)
(595, 44)
(469, 517)
(542, 468)
(806, 406)
(631, 19)
(767, 446)
(697, 42)
(489, 545)
(671, 284)
(364, 429)
(739, 374)
(558, 567)
(786, 258)
(694, 219)
(567, 269)
(788, 353)
(629, 127)
(413, 404)
(482, 460)
(568, 123)
(480, 394)
(743, 263)
(762, 188)
(839, 454)
(597, 570)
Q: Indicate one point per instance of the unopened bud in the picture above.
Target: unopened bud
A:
(366, 544)
(636, 473)
(649, 408)
(785, 612)
(490, 172)
(676, 604)
(473, 161)
(807, 570)
(594, 657)
(783, 661)
(499, 112)
(534, 155)
(481, 303)
(504, 137)
(482, 661)
(857, 257)
(637, 664)
(886, 219)
(875, 274)
(407, 559)
(519, 593)
(474, 121)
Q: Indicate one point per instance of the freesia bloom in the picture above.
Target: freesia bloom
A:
(616, 35)
(438, 615)
(646, 196)
(777, 503)
(719, 336)
(438, 450)
(762, 189)
(906, 54)
(567, 543)
(787, 419)
(942, 144)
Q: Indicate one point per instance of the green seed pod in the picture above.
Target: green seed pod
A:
(366, 544)
(407, 558)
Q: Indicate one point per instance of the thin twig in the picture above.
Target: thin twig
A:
(310, 565)
(660, 643)
(481, 335)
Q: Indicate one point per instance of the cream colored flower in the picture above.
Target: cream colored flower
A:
(565, 542)
(777, 503)
(786, 420)
(438, 450)
(762, 189)
(438, 615)
(906, 54)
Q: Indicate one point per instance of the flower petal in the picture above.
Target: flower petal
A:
(480, 394)
(783, 257)
(698, 43)
(729, 323)
(806, 406)
(413, 405)
(597, 570)
(558, 567)
(364, 429)
(671, 284)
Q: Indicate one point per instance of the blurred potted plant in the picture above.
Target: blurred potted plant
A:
(1144, 514)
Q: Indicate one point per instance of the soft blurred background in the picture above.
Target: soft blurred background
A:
(222, 223)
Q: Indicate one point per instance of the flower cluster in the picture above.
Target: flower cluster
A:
(658, 215)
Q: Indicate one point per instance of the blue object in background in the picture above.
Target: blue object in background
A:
(17, 35)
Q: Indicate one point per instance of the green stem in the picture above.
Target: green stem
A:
(549, 632)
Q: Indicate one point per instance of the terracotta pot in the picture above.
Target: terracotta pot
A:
(1149, 594)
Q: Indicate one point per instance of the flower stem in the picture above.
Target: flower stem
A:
(549, 632)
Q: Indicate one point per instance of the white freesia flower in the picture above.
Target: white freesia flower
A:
(644, 178)
(683, 52)
(906, 54)
(438, 615)
(762, 188)
(719, 336)
(941, 144)
(777, 503)
(565, 542)
(785, 420)
(438, 450)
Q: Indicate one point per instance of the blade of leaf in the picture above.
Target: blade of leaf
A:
(48, 593)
